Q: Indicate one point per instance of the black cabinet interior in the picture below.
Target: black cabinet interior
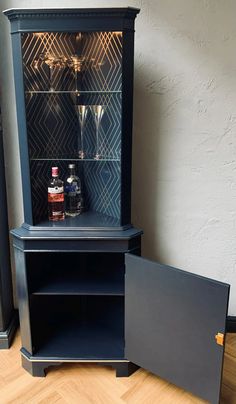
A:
(83, 327)
(75, 273)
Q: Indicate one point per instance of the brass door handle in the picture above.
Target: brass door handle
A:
(219, 337)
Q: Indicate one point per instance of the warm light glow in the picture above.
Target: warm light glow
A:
(38, 34)
(117, 32)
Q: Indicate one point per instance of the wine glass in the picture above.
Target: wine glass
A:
(54, 62)
(98, 112)
(81, 111)
(76, 63)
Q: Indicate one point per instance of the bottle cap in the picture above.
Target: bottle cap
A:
(71, 165)
(54, 171)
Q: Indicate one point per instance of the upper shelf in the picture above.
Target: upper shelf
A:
(74, 159)
(76, 92)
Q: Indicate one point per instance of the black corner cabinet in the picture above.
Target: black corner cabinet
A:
(8, 316)
(84, 292)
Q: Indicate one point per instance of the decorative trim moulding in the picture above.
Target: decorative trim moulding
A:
(71, 20)
(17, 13)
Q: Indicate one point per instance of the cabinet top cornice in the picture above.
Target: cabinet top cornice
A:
(18, 13)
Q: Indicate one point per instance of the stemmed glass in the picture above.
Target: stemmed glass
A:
(81, 111)
(98, 112)
(76, 62)
(54, 62)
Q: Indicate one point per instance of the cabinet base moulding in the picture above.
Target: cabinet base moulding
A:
(37, 367)
(7, 335)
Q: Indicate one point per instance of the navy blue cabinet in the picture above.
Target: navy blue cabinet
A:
(70, 273)
(84, 292)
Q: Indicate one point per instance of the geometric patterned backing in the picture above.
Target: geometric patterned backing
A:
(104, 196)
(52, 124)
(102, 67)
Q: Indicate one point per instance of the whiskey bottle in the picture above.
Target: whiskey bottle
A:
(56, 209)
(73, 193)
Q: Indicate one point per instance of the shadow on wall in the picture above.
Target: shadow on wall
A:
(184, 126)
(152, 137)
(145, 198)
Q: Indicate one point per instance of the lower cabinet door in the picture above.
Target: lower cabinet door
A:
(175, 325)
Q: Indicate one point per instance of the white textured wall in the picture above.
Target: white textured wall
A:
(184, 160)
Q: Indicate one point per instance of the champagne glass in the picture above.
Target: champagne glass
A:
(81, 111)
(76, 63)
(98, 112)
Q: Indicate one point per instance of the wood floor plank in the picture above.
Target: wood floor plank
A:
(92, 384)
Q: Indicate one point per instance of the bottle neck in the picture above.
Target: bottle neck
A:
(55, 172)
(72, 172)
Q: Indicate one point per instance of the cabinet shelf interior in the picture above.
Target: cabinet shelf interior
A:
(86, 220)
(88, 327)
(76, 274)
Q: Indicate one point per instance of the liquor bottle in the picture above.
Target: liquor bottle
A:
(56, 209)
(73, 193)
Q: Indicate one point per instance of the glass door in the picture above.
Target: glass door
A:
(73, 99)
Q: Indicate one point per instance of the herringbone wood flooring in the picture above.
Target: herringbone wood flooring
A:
(91, 384)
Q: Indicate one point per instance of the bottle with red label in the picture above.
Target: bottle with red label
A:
(56, 209)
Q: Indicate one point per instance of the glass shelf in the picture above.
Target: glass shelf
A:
(73, 159)
(78, 92)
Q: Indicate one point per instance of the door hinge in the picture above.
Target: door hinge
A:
(219, 337)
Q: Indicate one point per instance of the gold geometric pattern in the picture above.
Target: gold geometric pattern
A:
(52, 125)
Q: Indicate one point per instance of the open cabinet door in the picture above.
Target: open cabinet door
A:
(172, 318)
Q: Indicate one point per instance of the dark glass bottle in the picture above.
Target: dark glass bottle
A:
(73, 193)
(56, 209)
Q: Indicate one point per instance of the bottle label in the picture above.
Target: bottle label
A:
(59, 213)
(72, 189)
(55, 197)
(56, 190)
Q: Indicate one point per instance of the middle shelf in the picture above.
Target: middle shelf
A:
(76, 274)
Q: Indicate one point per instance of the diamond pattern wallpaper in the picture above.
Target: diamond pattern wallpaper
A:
(62, 70)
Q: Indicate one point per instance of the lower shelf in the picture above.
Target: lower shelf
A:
(81, 341)
(89, 220)
(78, 327)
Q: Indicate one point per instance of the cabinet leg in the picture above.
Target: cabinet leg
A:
(36, 369)
(125, 369)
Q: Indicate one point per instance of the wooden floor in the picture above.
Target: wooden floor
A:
(86, 384)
